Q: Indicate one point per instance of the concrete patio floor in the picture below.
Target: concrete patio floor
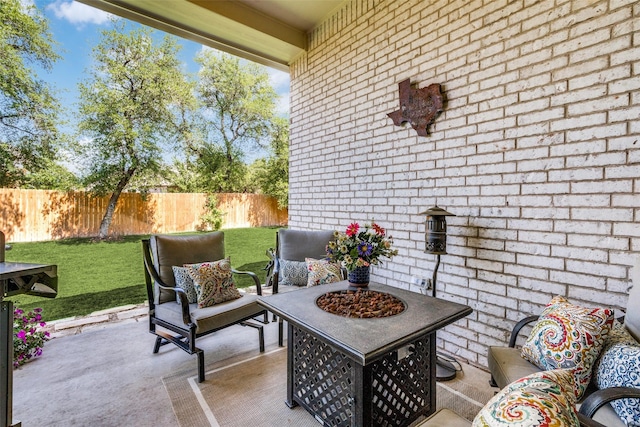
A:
(100, 371)
(104, 373)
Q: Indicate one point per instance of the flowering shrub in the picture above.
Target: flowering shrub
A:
(27, 339)
(358, 247)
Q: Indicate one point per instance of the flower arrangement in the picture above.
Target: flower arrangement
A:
(27, 339)
(360, 247)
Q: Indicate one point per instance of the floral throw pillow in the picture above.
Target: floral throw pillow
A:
(183, 280)
(545, 398)
(293, 273)
(322, 271)
(568, 336)
(213, 282)
(620, 367)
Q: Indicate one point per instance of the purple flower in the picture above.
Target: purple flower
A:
(365, 249)
(22, 335)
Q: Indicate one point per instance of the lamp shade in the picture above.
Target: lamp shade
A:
(436, 230)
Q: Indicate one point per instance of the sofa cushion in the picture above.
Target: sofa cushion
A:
(568, 336)
(183, 280)
(293, 273)
(213, 282)
(545, 398)
(322, 271)
(507, 365)
(619, 366)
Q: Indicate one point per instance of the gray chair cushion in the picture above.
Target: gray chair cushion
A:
(296, 245)
(170, 250)
(214, 317)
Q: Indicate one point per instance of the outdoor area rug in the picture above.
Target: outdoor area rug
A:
(250, 391)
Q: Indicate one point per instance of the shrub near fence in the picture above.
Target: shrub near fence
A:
(39, 215)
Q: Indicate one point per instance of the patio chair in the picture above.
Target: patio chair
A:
(287, 270)
(181, 322)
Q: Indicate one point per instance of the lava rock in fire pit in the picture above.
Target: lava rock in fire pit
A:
(361, 303)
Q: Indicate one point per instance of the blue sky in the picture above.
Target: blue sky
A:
(76, 27)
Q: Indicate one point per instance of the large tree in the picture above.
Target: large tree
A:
(132, 104)
(271, 174)
(237, 104)
(28, 111)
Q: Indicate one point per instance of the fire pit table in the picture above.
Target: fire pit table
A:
(353, 371)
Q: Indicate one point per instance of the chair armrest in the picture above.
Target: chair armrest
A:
(272, 267)
(601, 397)
(516, 329)
(182, 296)
(273, 270)
(253, 275)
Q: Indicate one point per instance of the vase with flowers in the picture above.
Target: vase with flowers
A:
(357, 248)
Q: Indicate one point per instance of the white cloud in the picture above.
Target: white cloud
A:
(78, 13)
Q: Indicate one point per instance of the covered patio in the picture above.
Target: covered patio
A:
(536, 151)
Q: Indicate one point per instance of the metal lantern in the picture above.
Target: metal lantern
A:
(435, 237)
(435, 234)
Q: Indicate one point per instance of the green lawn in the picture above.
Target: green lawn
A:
(99, 275)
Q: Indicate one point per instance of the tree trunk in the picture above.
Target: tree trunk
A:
(113, 201)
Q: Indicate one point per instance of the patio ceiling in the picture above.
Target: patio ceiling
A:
(269, 32)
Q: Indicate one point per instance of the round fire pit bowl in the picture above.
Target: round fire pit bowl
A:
(363, 304)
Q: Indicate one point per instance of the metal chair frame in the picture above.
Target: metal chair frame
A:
(187, 335)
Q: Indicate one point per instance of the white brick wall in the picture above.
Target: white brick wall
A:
(537, 151)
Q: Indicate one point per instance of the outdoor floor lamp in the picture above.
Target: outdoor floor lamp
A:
(435, 237)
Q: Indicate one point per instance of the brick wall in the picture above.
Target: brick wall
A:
(537, 151)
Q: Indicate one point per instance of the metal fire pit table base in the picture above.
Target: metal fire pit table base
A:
(362, 372)
(392, 391)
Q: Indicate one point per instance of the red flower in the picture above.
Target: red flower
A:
(352, 229)
(379, 230)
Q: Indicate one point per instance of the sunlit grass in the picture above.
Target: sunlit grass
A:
(100, 275)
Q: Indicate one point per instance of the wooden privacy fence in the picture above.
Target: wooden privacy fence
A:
(39, 215)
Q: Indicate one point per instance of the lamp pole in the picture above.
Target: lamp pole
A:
(436, 244)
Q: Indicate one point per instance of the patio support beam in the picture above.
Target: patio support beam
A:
(231, 27)
(251, 18)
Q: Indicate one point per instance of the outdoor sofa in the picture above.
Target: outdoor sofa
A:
(614, 373)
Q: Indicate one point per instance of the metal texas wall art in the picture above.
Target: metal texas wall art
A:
(420, 107)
